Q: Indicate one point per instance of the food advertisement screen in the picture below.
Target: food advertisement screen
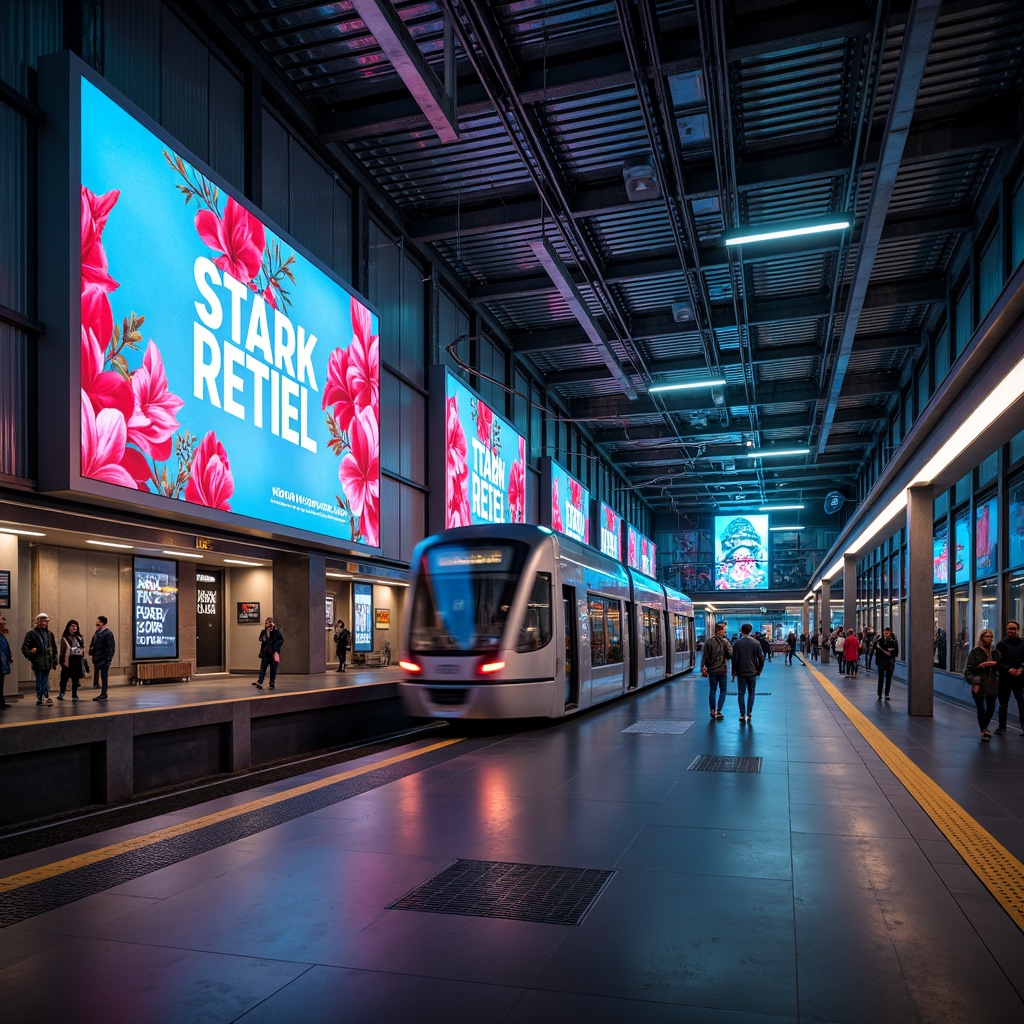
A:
(741, 552)
(611, 531)
(485, 471)
(570, 505)
(220, 366)
(640, 552)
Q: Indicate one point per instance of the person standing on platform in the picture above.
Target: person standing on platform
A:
(747, 664)
(981, 674)
(851, 653)
(40, 648)
(887, 649)
(790, 647)
(72, 655)
(271, 642)
(342, 643)
(869, 647)
(714, 663)
(102, 647)
(6, 660)
(1011, 674)
(838, 649)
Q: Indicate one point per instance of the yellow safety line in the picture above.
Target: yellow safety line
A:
(61, 867)
(997, 869)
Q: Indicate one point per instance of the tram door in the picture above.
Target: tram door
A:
(209, 620)
(572, 672)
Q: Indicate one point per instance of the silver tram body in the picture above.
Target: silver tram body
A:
(514, 621)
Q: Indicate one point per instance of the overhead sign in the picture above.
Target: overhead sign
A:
(569, 508)
(640, 551)
(741, 552)
(610, 530)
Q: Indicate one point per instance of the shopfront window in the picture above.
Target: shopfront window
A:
(941, 631)
(1015, 524)
(1015, 598)
(986, 608)
(961, 629)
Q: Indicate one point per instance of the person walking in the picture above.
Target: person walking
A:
(838, 649)
(271, 642)
(714, 664)
(71, 658)
(40, 648)
(1011, 674)
(747, 665)
(981, 674)
(870, 639)
(342, 643)
(851, 653)
(887, 649)
(790, 647)
(102, 648)
(6, 660)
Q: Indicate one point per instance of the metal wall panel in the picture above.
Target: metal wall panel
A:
(184, 86)
(275, 169)
(310, 201)
(226, 145)
(14, 201)
(16, 404)
(131, 50)
(413, 322)
(343, 230)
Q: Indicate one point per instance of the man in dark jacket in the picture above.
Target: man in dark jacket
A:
(714, 663)
(747, 663)
(101, 650)
(887, 649)
(40, 647)
(1011, 674)
(271, 642)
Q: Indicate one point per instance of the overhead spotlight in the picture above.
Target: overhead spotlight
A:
(682, 312)
(717, 396)
(641, 179)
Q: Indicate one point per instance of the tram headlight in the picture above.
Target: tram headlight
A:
(412, 667)
(487, 668)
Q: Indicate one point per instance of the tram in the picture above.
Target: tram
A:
(516, 621)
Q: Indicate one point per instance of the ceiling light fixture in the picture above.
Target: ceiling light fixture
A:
(780, 508)
(21, 533)
(780, 529)
(109, 544)
(236, 561)
(182, 554)
(765, 453)
(686, 387)
(745, 235)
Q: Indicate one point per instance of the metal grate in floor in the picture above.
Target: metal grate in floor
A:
(715, 763)
(660, 726)
(514, 892)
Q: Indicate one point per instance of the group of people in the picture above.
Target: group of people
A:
(747, 659)
(70, 655)
(996, 671)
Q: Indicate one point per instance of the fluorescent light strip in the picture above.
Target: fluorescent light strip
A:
(182, 554)
(767, 236)
(236, 561)
(21, 533)
(780, 508)
(109, 544)
(753, 601)
(780, 529)
(763, 453)
(686, 387)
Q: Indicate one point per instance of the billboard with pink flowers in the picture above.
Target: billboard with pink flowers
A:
(640, 551)
(568, 510)
(485, 460)
(610, 531)
(220, 367)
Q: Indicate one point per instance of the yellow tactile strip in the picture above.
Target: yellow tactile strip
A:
(997, 869)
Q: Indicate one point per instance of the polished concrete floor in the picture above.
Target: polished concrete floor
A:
(816, 890)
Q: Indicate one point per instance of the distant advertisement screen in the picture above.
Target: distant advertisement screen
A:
(362, 617)
(570, 505)
(611, 532)
(640, 551)
(741, 552)
(155, 590)
(485, 471)
(962, 538)
(220, 366)
(940, 556)
(986, 534)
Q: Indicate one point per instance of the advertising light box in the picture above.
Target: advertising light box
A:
(569, 508)
(610, 531)
(485, 460)
(741, 552)
(155, 617)
(221, 369)
(640, 552)
(362, 617)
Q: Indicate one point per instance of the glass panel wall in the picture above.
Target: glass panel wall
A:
(941, 630)
(961, 629)
(986, 610)
(1015, 597)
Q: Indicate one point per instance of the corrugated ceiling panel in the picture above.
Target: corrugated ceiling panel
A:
(802, 274)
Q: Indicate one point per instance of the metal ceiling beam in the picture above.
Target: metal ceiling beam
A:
(434, 98)
(917, 41)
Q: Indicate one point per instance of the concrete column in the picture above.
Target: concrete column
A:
(920, 624)
(826, 619)
(300, 596)
(850, 592)
(805, 619)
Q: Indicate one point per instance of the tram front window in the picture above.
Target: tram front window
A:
(462, 597)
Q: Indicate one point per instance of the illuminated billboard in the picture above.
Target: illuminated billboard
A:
(569, 502)
(221, 370)
(741, 552)
(640, 551)
(609, 531)
(485, 461)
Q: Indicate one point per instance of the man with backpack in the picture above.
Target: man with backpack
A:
(714, 663)
(342, 643)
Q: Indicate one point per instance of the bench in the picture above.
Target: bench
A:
(159, 672)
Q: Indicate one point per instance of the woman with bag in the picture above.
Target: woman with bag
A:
(271, 641)
(5, 660)
(72, 659)
(981, 674)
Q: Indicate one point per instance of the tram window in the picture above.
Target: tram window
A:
(614, 618)
(652, 634)
(679, 628)
(605, 631)
(536, 629)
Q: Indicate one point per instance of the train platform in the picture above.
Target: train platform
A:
(832, 861)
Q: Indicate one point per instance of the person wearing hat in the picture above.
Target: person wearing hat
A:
(40, 647)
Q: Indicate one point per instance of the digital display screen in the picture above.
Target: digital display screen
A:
(640, 551)
(940, 556)
(570, 505)
(485, 465)
(741, 552)
(962, 537)
(986, 534)
(220, 366)
(362, 617)
(610, 524)
(155, 589)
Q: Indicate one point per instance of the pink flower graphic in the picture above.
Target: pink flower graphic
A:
(556, 511)
(353, 374)
(104, 435)
(609, 519)
(97, 316)
(105, 389)
(631, 560)
(95, 211)
(360, 473)
(336, 390)
(153, 421)
(517, 492)
(239, 236)
(456, 468)
(484, 423)
(586, 530)
(576, 493)
(210, 482)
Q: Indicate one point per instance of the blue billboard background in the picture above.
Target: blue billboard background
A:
(570, 505)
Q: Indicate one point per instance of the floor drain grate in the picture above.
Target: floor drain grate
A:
(514, 892)
(714, 763)
(660, 726)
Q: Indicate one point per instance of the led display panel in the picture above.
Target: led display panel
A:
(610, 531)
(570, 502)
(485, 469)
(741, 552)
(962, 539)
(986, 537)
(362, 617)
(155, 590)
(221, 369)
(640, 552)
(940, 556)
